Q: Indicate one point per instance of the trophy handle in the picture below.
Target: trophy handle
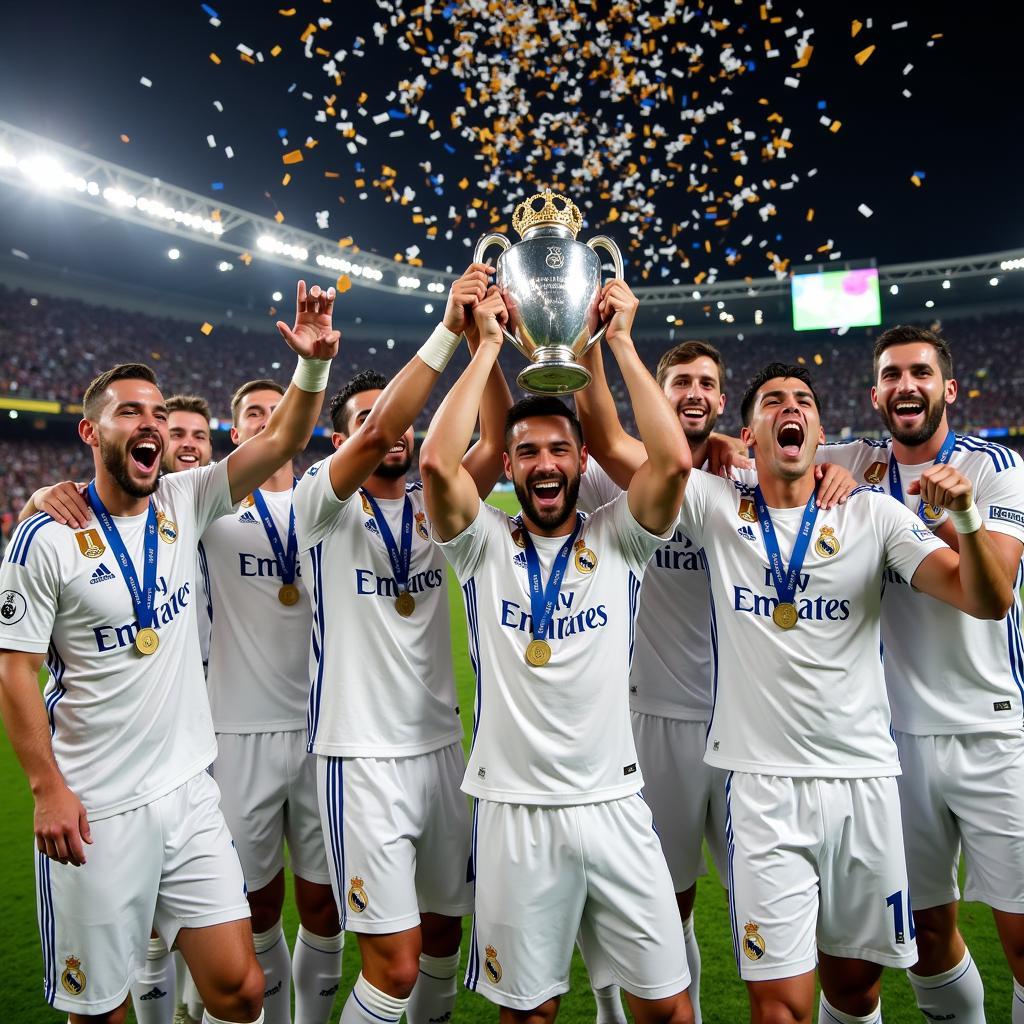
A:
(609, 246)
(482, 246)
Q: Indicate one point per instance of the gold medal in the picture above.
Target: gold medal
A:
(288, 594)
(146, 641)
(785, 615)
(405, 604)
(538, 653)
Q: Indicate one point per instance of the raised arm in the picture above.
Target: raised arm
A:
(291, 425)
(450, 490)
(977, 582)
(656, 489)
(61, 824)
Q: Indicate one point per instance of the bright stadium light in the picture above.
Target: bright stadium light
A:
(993, 281)
(408, 282)
(224, 266)
(43, 171)
(1015, 264)
(930, 303)
(270, 244)
(671, 318)
(428, 307)
(346, 267)
(894, 289)
(173, 254)
(277, 296)
(947, 284)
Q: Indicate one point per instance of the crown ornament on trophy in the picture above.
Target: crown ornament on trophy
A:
(551, 285)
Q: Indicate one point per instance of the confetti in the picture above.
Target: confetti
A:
(146, 82)
(293, 157)
(862, 56)
(864, 210)
(211, 141)
(125, 139)
(343, 284)
(214, 58)
(207, 328)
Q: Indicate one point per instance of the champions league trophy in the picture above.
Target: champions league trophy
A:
(551, 285)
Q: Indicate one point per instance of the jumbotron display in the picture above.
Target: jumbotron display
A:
(836, 298)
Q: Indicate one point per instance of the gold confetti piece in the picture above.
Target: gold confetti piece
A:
(287, 13)
(286, 179)
(125, 138)
(864, 54)
(246, 258)
(310, 29)
(331, 174)
(810, 214)
(915, 180)
(312, 143)
(207, 328)
(464, 183)
(275, 50)
(738, 181)
(247, 58)
(294, 157)
(817, 359)
(215, 215)
(835, 126)
(343, 284)
(344, 243)
(855, 28)
(214, 58)
(805, 57)
(279, 217)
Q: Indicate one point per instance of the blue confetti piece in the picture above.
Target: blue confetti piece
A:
(359, 166)
(821, 104)
(439, 191)
(710, 216)
(449, 11)
(209, 10)
(448, 148)
(291, 88)
(397, 115)
(778, 238)
(751, 65)
(920, 174)
(695, 245)
(217, 186)
(282, 133)
(647, 102)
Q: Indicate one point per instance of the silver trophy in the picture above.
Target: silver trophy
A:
(551, 285)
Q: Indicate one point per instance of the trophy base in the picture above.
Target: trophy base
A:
(554, 377)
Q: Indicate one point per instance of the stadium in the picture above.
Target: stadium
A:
(784, 184)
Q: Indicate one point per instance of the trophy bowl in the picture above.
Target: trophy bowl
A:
(551, 285)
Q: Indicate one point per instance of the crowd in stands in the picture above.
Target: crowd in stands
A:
(50, 348)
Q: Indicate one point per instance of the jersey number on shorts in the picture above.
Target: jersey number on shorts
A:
(896, 902)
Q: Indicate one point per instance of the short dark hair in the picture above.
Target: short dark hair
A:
(264, 384)
(904, 334)
(770, 372)
(92, 401)
(541, 405)
(687, 352)
(189, 403)
(365, 380)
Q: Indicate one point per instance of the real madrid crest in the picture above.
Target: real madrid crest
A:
(90, 543)
(875, 473)
(358, 901)
(73, 977)
(746, 511)
(491, 965)
(753, 944)
(585, 559)
(421, 526)
(827, 543)
(166, 528)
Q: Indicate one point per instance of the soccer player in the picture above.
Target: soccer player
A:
(258, 684)
(954, 684)
(116, 750)
(188, 433)
(563, 845)
(800, 719)
(383, 718)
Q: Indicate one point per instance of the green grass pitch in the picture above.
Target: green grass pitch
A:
(722, 994)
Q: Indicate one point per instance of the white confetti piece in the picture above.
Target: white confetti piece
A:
(865, 210)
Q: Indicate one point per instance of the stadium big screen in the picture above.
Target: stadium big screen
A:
(836, 298)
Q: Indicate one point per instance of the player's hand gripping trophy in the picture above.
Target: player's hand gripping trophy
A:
(551, 285)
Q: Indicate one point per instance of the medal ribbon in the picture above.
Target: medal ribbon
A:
(544, 598)
(144, 595)
(785, 580)
(400, 559)
(286, 559)
(896, 486)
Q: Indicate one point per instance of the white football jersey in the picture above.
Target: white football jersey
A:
(258, 673)
(948, 672)
(559, 734)
(126, 729)
(381, 685)
(808, 701)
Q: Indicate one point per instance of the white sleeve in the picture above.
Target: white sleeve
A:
(465, 551)
(317, 508)
(30, 583)
(209, 490)
(1000, 500)
(596, 487)
(848, 454)
(908, 542)
(634, 541)
(703, 493)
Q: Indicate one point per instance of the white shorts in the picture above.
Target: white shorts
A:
(686, 796)
(549, 876)
(964, 790)
(167, 865)
(398, 835)
(815, 864)
(268, 795)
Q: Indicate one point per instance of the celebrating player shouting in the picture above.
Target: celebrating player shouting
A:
(563, 844)
(116, 751)
(801, 720)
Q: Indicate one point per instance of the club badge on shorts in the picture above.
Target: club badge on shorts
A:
(357, 899)
(492, 965)
(753, 944)
(73, 977)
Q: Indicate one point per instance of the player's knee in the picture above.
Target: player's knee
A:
(400, 974)
(317, 910)
(775, 1011)
(240, 993)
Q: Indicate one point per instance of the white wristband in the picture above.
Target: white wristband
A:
(968, 521)
(311, 374)
(439, 348)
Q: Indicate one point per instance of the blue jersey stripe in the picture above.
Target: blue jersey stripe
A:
(335, 833)
(204, 568)
(713, 628)
(473, 965)
(1002, 458)
(56, 667)
(25, 535)
(317, 640)
(46, 927)
(1015, 644)
(731, 850)
(473, 622)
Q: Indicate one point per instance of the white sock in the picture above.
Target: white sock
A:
(828, 1014)
(273, 956)
(609, 1005)
(368, 1005)
(693, 959)
(193, 1000)
(957, 994)
(433, 996)
(180, 974)
(208, 1018)
(153, 986)
(1018, 1003)
(316, 974)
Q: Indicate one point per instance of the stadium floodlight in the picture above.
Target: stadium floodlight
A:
(344, 266)
(173, 254)
(408, 282)
(270, 244)
(947, 284)
(671, 318)
(277, 297)
(894, 289)
(1015, 264)
(43, 171)
(224, 266)
(428, 307)
(993, 281)
(435, 286)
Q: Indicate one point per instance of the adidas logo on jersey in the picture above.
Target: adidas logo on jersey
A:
(371, 525)
(101, 575)
(746, 533)
(520, 560)
(247, 517)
